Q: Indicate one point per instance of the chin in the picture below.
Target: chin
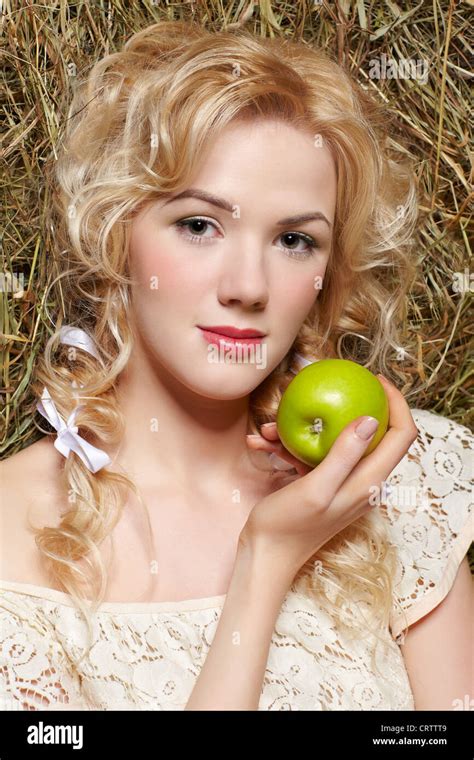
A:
(222, 382)
(197, 370)
(228, 382)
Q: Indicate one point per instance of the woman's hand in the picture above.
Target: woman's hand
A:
(290, 525)
(270, 441)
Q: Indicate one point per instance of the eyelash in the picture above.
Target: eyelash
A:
(311, 242)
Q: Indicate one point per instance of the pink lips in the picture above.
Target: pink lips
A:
(231, 335)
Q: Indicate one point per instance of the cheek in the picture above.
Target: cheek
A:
(157, 265)
(295, 294)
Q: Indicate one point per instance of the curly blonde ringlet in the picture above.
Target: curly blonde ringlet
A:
(138, 126)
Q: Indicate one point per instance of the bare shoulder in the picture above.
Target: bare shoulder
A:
(31, 470)
(31, 492)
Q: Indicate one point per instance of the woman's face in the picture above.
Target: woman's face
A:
(238, 262)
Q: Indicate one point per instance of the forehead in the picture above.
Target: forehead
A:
(270, 162)
(267, 141)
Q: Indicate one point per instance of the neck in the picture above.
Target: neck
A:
(172, 431)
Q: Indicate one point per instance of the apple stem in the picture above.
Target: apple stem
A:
(317, 425)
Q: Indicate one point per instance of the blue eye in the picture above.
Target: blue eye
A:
(202, 223)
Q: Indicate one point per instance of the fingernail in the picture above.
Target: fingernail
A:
(366, 427)
(278, 463)
(252, 437)
(267, 424)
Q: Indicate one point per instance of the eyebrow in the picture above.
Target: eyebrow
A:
(221, 203)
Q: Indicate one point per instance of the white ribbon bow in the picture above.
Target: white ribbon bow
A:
(75, 336)
(68, 438)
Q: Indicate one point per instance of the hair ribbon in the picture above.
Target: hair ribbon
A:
(68, 438)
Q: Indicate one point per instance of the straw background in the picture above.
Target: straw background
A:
(48, 44)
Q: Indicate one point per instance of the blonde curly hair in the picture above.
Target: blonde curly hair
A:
(136, 128)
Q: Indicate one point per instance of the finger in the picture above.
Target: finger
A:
(377, 466)
(278, 463)
(401, 433)
(257, 442)
(323, 482)
(269, 430)
(401, 426)
(282, 453)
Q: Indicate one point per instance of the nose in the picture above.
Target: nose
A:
(242, 278)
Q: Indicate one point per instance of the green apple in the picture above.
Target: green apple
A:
(321, 400)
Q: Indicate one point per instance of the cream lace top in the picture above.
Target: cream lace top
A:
(148, 655)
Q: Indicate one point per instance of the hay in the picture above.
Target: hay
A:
(48, 44)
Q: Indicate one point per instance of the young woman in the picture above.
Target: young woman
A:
(219, 196)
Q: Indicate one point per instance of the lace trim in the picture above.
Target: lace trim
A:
(117, 608)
